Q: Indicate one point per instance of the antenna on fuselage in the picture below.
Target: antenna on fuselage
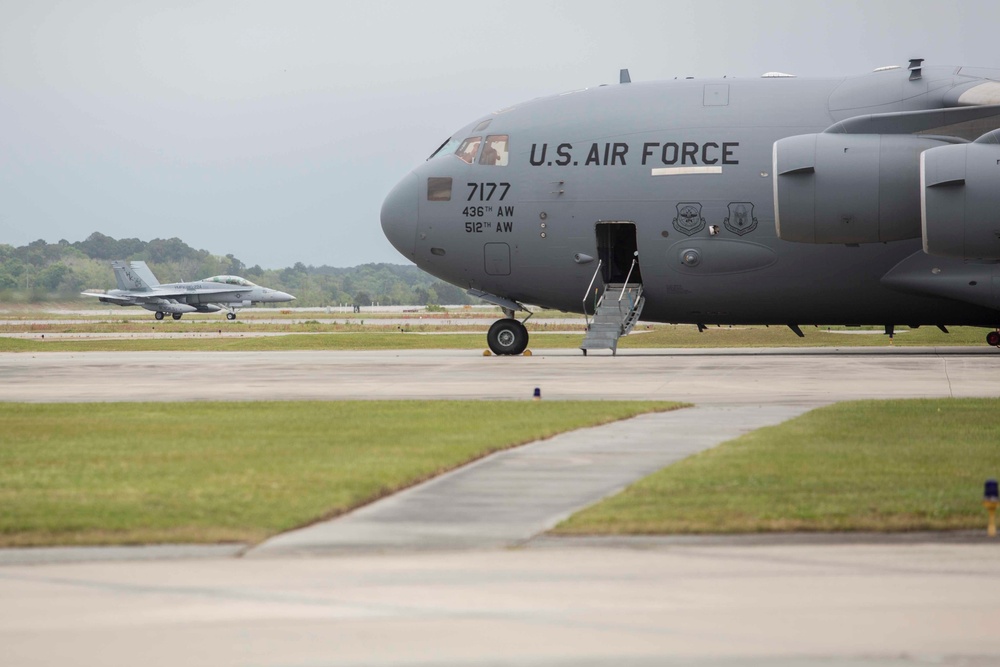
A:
(623, 76)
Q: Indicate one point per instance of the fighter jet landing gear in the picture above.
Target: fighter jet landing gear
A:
(993, 338)
(507, 337)
(230, 316)
(177, 316)
(158, 315)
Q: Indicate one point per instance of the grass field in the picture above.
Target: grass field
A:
(370, 337)
(454, 328)
(872, 465)
(125, 473)
(369, 340)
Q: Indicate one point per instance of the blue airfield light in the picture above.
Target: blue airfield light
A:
(991, 499)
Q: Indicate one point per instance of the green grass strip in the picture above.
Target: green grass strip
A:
(377, 338)
(346, 341)
(858, 466)
(127, 473)
(776, 336)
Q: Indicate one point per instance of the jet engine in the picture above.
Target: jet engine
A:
(848, 188)
(960, 204)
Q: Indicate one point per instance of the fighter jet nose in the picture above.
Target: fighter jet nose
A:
(399, 215)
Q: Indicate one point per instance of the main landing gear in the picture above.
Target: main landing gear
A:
(993, 338)
(158, 315)
(507, 337)
(177, 316)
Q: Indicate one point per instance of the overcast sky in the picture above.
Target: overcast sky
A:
(273, 130)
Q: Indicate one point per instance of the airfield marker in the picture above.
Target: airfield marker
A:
(991, 499)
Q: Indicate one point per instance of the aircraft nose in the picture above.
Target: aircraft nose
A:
(399, 215)
(275, 296)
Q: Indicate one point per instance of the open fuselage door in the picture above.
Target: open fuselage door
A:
(617, 307)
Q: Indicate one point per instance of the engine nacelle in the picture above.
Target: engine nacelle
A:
(848, 188)
(960, 207)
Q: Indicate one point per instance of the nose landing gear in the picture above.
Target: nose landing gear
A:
(507, 337)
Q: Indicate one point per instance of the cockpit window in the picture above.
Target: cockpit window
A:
(467, 151)
(447, 147)
(230, 280)
(495, 152)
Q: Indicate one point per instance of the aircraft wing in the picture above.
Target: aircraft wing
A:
(966, 122)
(111, 297)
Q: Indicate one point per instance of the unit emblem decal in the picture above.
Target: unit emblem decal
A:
(689, 220)
(740, 220)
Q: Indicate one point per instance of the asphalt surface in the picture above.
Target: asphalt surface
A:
(798, 606)
(791, 376)
(454, 572)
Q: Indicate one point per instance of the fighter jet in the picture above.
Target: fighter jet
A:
(137, 286)
(861, 200)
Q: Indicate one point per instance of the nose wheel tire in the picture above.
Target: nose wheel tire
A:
(993, 338)
(158, 315)
(230, 316)
(507, 337)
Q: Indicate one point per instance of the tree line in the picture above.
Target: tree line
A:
(42, 271)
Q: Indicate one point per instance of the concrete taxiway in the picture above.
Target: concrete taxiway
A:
(770, 377)
(448, 573)
(802, 606)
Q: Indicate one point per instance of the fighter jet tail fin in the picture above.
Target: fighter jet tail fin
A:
(128, 279)
(140, 269)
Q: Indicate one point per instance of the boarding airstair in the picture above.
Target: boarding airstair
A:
(615, 313)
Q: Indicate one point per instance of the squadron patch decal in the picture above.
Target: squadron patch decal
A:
(689, 220)
(740, 220)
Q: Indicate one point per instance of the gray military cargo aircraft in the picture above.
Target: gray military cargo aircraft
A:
(137, 286)
(865, 200)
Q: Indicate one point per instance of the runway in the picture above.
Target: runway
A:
(445, 575)
(794, 376)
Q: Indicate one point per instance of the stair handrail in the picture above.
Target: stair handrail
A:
(586, 315)
(633, 313)
(625, 286)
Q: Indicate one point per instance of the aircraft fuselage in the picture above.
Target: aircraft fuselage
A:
(682, 173)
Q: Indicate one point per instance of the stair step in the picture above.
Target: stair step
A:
(613, 317)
